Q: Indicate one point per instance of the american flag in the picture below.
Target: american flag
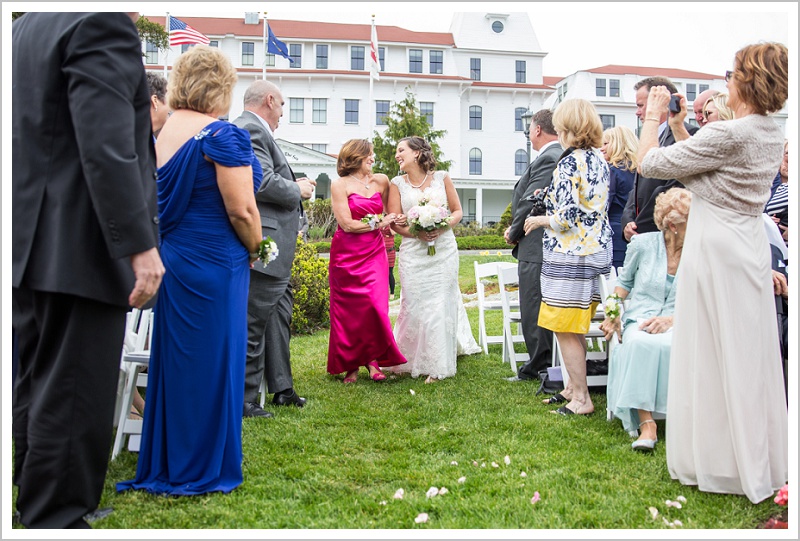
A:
(181, 33)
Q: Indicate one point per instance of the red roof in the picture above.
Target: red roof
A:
(551, 81)
(283, 30)
(672, 73)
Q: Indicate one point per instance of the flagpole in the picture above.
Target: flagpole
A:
(166, 53)
(369, 105)
(264, 66)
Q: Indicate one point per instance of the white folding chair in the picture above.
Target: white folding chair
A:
(508, 276)
(484, 272)
(135, 356)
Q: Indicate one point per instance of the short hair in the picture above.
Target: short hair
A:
(202, 80)
(258, 91)
(426, 160)
(578, 124)
(544, 119)
(650, 82)
(621, 147)
(761, 74)
(672, 208)
(721, 103)
(157, 85)
(352, 155)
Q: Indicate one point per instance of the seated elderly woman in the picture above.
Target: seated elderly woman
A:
(639, 368)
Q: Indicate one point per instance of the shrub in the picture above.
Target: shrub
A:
(322, 246)
(482, 242)
(474, 229)
(505, 220)
(320, 218)
(309, 283)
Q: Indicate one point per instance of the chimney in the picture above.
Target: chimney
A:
(251, 17)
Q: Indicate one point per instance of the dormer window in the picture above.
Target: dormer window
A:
(497, 21)
(498, 27)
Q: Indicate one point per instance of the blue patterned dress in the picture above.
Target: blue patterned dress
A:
(192, 432)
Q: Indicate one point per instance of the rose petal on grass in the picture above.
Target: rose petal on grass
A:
(454, 463)
(421, 518)
(412, 392)
(653, 512)
(666, 522)
(535, 498)
(681, 499)
(483, 464)
(399, 494)
(475, 463)
(523, 474)
(495, 465)
(507, 460)
(433, 491)
(676, 505)
(383, 502)
(678, 523)
(462, 480)
(443, 490)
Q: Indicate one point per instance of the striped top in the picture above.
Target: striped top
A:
(779, 202)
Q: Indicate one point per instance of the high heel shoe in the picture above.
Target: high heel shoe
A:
(376, 376)
(351, 376)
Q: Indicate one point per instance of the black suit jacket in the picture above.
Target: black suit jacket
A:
(538, 175)
(642, 199)
(83, 166)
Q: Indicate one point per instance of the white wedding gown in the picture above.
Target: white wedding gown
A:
(432, 328)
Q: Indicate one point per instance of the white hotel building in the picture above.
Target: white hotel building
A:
(474, 81)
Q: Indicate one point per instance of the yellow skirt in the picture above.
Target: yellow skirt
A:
(572, 320)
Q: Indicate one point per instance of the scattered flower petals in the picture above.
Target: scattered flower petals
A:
(421, 518)
(433, 491)
(782, 497)
(475, 463)
(454, 463)
(668, 523)
(523, 474)
(678, 523)
(507, 460)
(653, 512)
(399, 494)
(676, 505)
(495, 465)
(383, 502)
(443, 490)
(535, 498)
(681, 499)
(483, 464)
(412, 392)
(462, 480)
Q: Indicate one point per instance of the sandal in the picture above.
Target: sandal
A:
(378, 375)
(557, 398)
(351, 376)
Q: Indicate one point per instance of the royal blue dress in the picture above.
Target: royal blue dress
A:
(192, 432)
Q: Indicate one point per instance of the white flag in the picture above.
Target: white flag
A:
(374, 63)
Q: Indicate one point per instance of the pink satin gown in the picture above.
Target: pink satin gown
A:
(361, 331)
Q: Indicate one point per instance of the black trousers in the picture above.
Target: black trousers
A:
(538, 341)
(64, 395)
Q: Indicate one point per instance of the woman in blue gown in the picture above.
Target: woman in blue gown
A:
(619, 149)
(210, 230)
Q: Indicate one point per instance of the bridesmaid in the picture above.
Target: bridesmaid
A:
(361, 333)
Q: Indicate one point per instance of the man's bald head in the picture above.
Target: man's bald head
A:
(265, 99)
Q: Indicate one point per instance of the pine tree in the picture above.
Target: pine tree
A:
(404, 120)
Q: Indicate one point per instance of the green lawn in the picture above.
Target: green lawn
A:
(338, 462)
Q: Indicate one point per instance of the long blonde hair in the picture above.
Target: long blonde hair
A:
(621, 147)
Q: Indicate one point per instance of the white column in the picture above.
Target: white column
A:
(479, 205)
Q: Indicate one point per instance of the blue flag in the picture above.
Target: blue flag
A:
(276, 46)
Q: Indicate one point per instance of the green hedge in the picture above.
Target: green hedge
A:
(482, 242)
(309, 281)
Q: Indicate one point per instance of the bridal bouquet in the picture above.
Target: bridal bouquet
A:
(267, 251)
(428, 215)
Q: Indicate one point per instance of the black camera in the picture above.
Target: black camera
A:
(539, 208)
(675, 104)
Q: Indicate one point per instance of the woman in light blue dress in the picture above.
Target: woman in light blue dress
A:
(638, 371)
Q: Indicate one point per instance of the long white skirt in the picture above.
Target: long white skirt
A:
(727, 426)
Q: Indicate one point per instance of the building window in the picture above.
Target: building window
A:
(269, 59)
(248, 53)
(415, 61)
(213, 43)
(437, 61)
(600, 87)
(613, 88)
(322, 57)
(296, 54)
(319, 147)
(319, 114)
(520, 162)
(691, 92)
(608, 121)
(426, 111)
(357, 57)
(296, 106)
(382, 57)
(497, 27)
(702, 88)
(475, 69)
(518, 124)
(475, 117)
(381, 110)
(186, 46)
(475, 162)
(522, 72)
(562, 91)
(151, 53)
(351, 111)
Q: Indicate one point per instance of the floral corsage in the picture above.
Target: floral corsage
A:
(267, 251)
(613, 306)
(372, 220)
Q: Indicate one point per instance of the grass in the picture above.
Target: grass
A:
(332, 464)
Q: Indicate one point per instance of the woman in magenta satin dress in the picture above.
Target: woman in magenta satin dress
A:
(361, 332)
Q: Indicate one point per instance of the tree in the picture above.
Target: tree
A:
(404, 120)
(152, 32)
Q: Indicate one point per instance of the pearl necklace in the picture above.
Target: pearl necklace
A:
(366, 184)
(418, 185)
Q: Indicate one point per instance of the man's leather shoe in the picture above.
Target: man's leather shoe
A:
(252, 409)
(287, 398)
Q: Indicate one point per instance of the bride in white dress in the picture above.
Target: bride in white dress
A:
(432, 328)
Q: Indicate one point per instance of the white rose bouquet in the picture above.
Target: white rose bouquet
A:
(428, 215)
(267, 251)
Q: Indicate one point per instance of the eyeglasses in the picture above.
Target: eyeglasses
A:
(728, 75)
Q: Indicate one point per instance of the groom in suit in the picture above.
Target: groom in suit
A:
(84, 248)
(528, 248)
(269, 305)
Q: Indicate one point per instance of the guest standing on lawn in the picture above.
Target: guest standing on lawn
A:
(361, 332)
(728, 429)
(210, 230)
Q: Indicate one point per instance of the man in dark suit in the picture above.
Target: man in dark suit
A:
(269, 305)
(84, 248)
(637, 216)
(528, 248)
